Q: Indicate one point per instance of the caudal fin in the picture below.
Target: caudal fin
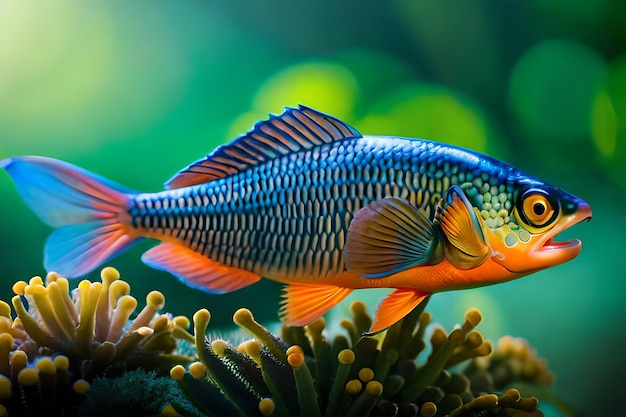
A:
(89, 212)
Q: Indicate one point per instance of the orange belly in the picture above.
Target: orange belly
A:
(433, 278)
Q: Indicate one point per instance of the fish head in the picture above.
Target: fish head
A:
(539, 212)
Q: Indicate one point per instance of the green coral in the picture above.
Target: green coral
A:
(79, 353)
(61, 340)
(135, 393)
(303, 373)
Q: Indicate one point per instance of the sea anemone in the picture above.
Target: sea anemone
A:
(63, 345)
(60, 341)
(303, 373)
(144, 394)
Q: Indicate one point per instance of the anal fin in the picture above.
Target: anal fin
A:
(197, 270)
(303, 303)
(393, 308)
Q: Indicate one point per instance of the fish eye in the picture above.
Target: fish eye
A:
(537, 209)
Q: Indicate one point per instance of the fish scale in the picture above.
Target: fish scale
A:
(309, 193)
(306, 200)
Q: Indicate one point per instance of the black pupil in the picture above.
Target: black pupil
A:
(539, 209)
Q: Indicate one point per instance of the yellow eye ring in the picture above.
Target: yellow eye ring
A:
(537, 209)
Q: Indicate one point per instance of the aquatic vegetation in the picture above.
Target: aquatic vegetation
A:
(145, 394)
(60, 341)
(74, 353)
(304, 373)
(513, 361)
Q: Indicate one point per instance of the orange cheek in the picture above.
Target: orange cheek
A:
(518, 258)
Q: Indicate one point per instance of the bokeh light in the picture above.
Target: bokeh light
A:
(552, 89)
(604, 125)
(136, 92)
(609, 120)
(429, 112)
(323, 85)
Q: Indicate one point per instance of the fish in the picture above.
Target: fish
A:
(306, 200)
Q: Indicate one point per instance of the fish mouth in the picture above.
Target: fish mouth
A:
(546, 251)
(549, 244)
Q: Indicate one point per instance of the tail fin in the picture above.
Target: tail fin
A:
(89, 211)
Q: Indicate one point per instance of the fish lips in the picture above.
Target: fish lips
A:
(552, 252)
(542, 251)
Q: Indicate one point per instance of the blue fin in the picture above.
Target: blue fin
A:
(388, 236)
(293, 131)
(90, 212)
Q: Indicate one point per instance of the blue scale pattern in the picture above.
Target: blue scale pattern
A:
(289, 216)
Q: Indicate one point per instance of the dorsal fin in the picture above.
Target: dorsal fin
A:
(292, 131)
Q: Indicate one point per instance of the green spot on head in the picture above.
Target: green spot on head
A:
(471, 192)
(503, 213)
(510, 240)
(524, 236)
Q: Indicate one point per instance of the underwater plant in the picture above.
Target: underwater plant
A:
(60, 341)
(144, 394)
(80, 353)
(303, 373)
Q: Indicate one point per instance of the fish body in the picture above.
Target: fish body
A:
(306, 200)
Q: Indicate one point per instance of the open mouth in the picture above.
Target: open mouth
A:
(551, 244)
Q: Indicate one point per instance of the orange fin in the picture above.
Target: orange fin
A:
(304, 303)
(463, 227)
(393, 308)
(293, 131)
(388, 236)
(197, 270)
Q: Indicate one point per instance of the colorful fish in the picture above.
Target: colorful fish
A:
(306, 200)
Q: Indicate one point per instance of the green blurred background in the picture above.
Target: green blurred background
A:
(137, 90)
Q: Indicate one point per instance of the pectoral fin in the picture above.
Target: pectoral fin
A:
(388, 236)
(303, 303)
(461, 224)
(397, 305)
